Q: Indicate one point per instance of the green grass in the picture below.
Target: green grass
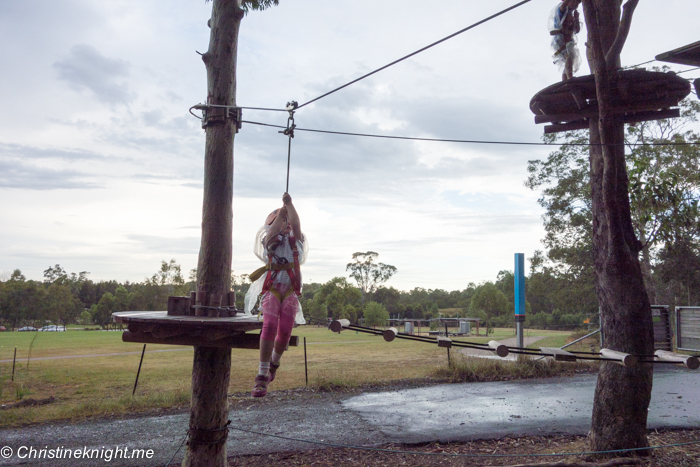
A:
(471, 369)
(102, 386)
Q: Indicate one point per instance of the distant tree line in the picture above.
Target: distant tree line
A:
(69, 298)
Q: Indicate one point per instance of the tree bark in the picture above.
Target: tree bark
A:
(206, 443)
(211, 369)
(214, 266)
(622, 394)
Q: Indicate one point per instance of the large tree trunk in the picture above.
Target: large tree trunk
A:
(212, 366)
(622, 395)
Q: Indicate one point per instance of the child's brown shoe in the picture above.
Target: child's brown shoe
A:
(260, 388)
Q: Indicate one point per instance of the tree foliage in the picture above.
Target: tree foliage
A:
(367, 273)
(375, 314)
(664, 195)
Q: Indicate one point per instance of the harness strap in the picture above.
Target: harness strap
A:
(257, 274)
(293, 270)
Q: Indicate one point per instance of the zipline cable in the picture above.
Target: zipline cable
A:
(510, 143)
(418, 51)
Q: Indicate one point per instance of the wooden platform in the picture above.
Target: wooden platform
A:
(157, 327)
(640, 96)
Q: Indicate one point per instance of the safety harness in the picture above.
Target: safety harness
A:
(292, 269)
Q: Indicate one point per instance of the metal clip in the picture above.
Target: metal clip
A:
(289, 131)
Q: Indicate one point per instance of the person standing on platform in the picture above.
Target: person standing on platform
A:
(564, 25)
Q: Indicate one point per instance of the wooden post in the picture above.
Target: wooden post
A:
(390, 334)
(500, 349)
(212, 366)
(624, 359)
(306, 364)
(689, 361)
(558, 354)
(339, 324)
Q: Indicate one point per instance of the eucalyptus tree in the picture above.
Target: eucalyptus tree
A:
(622, 394)
(367, 273)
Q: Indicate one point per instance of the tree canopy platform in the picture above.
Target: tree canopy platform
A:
(639, 95)
(157, 327)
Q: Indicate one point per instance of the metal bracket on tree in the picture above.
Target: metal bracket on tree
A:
(214, 114)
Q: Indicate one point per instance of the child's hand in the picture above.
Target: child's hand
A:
(286, 199)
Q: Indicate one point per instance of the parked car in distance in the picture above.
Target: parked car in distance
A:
(52, 328)
(3, 329)
(27, 328)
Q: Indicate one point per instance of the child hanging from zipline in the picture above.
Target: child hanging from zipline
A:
(563, 25)
(283, 247)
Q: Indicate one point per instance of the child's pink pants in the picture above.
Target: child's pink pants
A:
(278, 317)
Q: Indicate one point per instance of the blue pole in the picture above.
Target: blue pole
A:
(520, 296)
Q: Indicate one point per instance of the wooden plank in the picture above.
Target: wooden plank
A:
(237, 341)
(624, 359)
(444, 342)
(559, 355)
(556, 128)
(238, 323)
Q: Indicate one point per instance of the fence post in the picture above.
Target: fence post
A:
(306, 366)
(14, 360)
(139, 372)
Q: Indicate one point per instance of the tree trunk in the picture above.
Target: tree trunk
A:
(646, 268)
(212, 366)
(622, 395)
(214, 266)
(206, 443)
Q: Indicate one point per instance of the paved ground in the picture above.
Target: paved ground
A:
(511, 342)
(452, 412)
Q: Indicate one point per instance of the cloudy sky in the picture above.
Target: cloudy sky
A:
(101, 164)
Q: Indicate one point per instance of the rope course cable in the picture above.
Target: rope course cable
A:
(638, 64)
(409, 138)
(418, 51)
(454, 454)
(591, 356)
(686, 71)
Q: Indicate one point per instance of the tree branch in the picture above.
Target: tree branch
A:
(622, 33)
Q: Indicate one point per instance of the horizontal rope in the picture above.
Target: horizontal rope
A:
(417, 51)
(510, 143)
(451, 454)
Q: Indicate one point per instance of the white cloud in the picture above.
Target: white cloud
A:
(96, 95)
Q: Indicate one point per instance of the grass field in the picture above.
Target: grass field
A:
(102, 385)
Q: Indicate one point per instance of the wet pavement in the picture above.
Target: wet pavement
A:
(461, 412)
(451, 412)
